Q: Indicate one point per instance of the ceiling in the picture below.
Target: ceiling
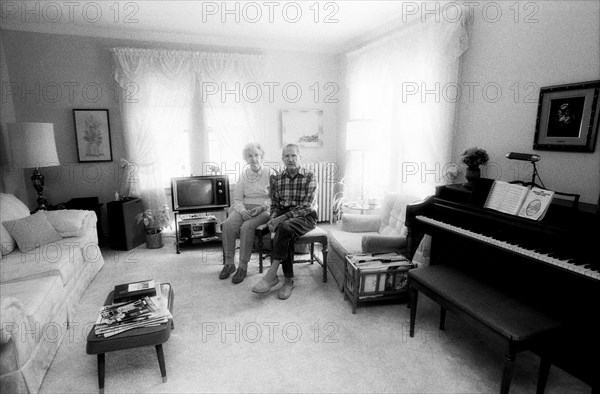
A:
(313, 26)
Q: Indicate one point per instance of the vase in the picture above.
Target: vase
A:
(154, 238)
(472, 175)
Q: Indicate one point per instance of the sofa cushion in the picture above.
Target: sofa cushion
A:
(11, 208)
(32, 231)
(61, 258)
(343, 242)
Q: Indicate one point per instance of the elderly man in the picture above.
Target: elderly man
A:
(293, 213)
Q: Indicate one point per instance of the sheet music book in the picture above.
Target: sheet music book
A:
(536, 203)
(515, 199)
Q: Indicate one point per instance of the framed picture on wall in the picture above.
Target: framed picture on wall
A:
(302, 127)
(92, 133)
(567, 118)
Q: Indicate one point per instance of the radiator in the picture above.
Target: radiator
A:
(325, 173)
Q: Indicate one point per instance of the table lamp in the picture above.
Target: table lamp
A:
(362, 136)
(33, 146)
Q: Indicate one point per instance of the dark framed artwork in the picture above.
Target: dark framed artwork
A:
(92, 133)
(567, 118)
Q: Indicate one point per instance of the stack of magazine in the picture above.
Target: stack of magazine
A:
(124, 316)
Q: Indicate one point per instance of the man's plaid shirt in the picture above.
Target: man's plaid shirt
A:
(295, 197)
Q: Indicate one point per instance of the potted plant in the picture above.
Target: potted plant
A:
(155, 220)
(473, 158)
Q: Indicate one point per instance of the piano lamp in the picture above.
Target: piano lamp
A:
(532, 159)
(33, 146)
(361, 136)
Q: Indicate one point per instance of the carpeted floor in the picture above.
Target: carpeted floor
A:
(228, 339)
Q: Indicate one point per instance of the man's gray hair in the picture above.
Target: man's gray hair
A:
(292, 146)
(255, 145)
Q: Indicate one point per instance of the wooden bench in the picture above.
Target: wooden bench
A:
(519, 324)
(317, 234)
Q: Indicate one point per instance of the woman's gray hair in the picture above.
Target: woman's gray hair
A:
(255, 145)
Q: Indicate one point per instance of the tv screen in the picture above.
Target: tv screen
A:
(200, 193)
(194, 192)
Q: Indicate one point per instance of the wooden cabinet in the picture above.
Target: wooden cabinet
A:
(125, 231)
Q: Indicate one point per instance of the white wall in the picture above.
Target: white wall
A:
(317, 77)
(561, 47)
(79, 65)
(11, 179)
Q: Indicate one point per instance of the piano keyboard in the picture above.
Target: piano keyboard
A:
(566, 264)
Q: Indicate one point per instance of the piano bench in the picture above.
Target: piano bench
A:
(519, 324)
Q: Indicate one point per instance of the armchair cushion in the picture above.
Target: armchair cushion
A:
(355, 223)
(383, 244)
(394, 212)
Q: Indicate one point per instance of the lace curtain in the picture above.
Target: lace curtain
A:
(161, 91)
(408, 81)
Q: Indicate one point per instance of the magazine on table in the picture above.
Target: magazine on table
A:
(145, 312)
(370, 260)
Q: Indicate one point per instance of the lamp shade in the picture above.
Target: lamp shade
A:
(32, 145)
(362, 134)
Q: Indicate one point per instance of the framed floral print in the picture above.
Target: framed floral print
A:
(92, 132)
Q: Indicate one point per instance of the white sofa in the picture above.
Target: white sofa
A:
(40, 289)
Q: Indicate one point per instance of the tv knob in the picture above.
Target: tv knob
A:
(219, 183)
(220, 191)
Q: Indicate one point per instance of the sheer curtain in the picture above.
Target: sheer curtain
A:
(164, 117)
(408, 81)
(232, 104)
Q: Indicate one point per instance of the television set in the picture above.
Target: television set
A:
(200, 193)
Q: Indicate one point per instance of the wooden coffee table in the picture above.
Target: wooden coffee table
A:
(138, 337)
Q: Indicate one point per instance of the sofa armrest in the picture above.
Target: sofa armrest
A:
(355, 223)
(71, 222)
(383, 243)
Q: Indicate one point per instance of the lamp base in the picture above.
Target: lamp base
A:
(38, 184)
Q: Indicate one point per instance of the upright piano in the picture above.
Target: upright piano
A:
(550, 264)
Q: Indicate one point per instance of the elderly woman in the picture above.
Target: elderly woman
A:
(250, 209)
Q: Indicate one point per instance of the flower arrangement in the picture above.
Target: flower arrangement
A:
(155, 219)
(474, 157)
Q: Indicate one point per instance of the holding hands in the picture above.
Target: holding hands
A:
(249, 214)
(246, 215)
